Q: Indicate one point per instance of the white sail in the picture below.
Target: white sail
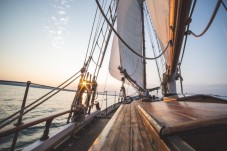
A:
(115, 59)
(169, 18)
(159, 11)
(129, 27)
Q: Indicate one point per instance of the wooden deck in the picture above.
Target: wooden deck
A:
(126, 131)
(177, 125)
(84, 138)
(175, 117)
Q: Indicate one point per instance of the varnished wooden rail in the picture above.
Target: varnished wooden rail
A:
(31, 122)
(202, 98)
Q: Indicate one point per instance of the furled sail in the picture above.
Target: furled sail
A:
(129, 27)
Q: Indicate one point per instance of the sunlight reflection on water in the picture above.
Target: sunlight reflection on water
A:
(11, 99)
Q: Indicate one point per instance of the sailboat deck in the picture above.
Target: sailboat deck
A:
(83, 140)
(125, 131)
(151, 125)
(174, 117)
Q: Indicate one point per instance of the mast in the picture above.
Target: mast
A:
(169, 19)
(178, 18)
(143, 46)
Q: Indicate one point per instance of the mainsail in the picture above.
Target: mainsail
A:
(169, 19)
(129, 27)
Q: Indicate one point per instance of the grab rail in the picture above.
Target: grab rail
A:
(6, 129)
(30, 122)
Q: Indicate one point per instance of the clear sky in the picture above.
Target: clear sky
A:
(205, 58)
(45, 41)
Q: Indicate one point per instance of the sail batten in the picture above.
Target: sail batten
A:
(129, 27)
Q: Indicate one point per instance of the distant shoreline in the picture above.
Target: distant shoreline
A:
(23, 84)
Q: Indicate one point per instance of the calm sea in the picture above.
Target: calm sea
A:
(10, 101)
(213, 90)
(11, 98)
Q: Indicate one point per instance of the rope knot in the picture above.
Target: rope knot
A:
(188, 21)
(188, 32)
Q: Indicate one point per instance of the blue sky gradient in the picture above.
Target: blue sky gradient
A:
(45, 41)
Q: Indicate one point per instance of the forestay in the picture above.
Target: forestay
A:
(129, 27)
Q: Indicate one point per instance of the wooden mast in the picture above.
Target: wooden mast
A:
(143, 47)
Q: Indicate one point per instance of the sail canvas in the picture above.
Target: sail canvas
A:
(129, 27)
(159, 11)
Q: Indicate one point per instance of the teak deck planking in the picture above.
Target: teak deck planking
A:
(160, 125)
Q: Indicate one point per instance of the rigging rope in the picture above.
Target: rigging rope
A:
(100, 40)
(147, 19)
(91, 34)
(101, 49)
(103, 14)
(224, 5)
(95, 62)
(104, 89)
(96, 35)
(156, 36)
(186, 37)
(209, 23)
(108, 31)
(130, 80)
(38, 99)
(19, 116)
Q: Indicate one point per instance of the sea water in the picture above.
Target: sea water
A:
(11, 99)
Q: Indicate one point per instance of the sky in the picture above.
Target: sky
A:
(45, 41)
(205, 57)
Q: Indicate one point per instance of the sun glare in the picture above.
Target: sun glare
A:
(84, 83)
